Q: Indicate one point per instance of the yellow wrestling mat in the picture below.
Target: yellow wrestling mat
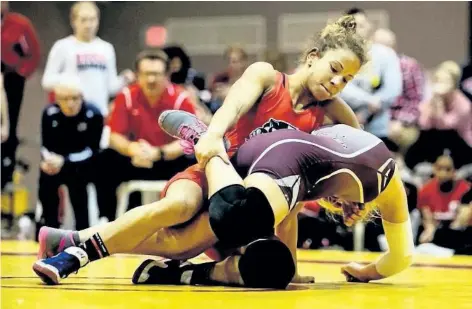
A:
(431, 283)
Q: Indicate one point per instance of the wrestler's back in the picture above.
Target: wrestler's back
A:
(318, 156)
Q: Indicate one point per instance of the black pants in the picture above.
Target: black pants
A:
(75, 177)
(391, 145)
(14, 88)
(466, 246)
(432, 143)
(458, 240)
(114, 169)
(373, 229)
(322, 227)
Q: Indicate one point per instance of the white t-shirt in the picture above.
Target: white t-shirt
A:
(95, 64)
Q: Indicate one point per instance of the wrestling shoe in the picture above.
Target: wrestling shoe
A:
(158, 272)
(54, 269)
(184, 126)
(52, 241)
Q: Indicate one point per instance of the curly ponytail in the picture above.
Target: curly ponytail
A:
(340, 34)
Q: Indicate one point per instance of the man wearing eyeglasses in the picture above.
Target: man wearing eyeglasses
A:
(439, 200)
(139, 148)
(70, 130)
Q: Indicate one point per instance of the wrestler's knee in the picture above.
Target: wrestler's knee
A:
(239, 215)
(267, 263)
(185, 198)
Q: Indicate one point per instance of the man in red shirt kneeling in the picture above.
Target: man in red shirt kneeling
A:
(438, 201)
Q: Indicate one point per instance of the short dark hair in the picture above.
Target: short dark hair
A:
(354, 10)
(152, 54)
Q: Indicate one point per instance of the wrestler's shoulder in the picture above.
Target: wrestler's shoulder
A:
(263, 71)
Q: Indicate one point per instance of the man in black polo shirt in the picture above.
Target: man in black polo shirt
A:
(71, 130)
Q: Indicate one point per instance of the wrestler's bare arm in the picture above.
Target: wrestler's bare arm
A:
(242, 96)
(339, 112)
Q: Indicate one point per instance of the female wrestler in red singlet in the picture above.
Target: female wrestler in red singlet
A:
(262, 100)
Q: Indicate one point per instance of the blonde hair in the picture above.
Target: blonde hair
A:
(340, 34)
(452, 68)
(369, 212)
(276, 59)
(74, 10)
(236, 48)
(385, 37)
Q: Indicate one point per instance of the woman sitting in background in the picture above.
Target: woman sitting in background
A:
(445, 120)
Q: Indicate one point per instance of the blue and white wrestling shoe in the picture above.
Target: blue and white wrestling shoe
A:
(184, 126)
(54, 269)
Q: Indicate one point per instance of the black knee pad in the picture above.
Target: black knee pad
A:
(267, 263)
(239, 215)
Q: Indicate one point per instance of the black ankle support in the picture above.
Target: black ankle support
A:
(95, 248)
(201, 273)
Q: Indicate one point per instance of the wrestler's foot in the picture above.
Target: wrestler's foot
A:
(184, 126)
(58, 267)
(52, 241)
(158, 272)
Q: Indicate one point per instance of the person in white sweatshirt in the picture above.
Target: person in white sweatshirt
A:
(88, 56)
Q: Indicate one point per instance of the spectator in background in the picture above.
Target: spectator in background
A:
(374, 90)
(405, 110)
(181, 73)
(140, 150)
(237, 63)
(5, 121)
(464, 214)
(181, 70)
(465, 83)
(438, 201)
(319, 229)
(445, 121)
(5, 125)
(88, 56)
(464, 223)
(428, 87)
(277, 59)
(70, 130)
(20, 58)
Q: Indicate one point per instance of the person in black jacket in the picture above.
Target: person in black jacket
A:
(71, 131)
(465, 83)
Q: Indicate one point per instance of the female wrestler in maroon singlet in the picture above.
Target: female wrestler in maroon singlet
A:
(348, 169)
(262, 100)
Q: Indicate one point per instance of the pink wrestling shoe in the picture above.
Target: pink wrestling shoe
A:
(53, 241)
(185, 127)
